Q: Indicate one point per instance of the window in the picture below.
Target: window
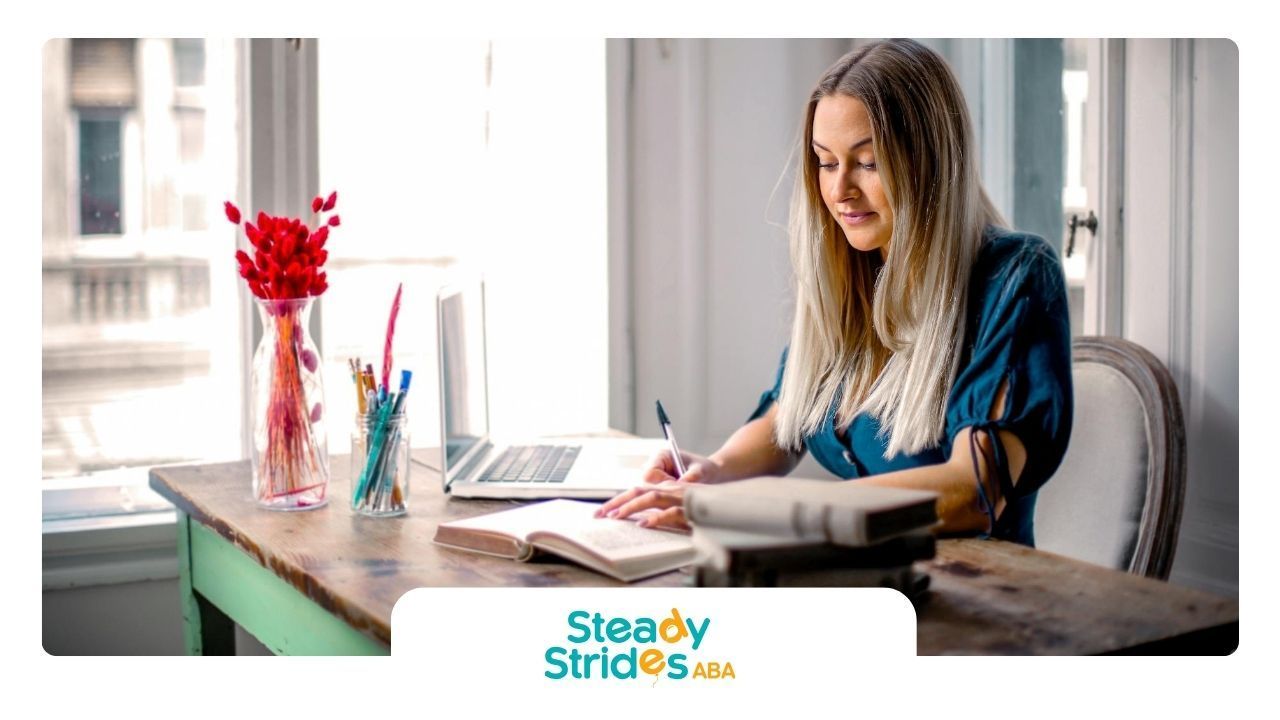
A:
(140, 333)
(460, 156)
(188, 62)
(1079, 192)
(99, 175)
(1038, 107)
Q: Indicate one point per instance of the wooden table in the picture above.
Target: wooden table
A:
(324, 581)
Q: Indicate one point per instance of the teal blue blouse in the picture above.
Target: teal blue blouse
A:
(1017, 328)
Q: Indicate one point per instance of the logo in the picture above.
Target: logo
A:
(619, 648)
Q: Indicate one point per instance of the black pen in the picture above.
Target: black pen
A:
(670, 435)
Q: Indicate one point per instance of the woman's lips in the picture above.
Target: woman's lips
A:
(855, 218)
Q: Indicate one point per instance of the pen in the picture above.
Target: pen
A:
(670, 435)
(376, 440)
(405, 377)
(354, 364)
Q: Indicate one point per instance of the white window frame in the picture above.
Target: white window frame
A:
(1104, 275)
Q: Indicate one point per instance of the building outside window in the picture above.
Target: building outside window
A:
(140, 331)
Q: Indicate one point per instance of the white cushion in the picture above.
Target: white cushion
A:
(1091, 507)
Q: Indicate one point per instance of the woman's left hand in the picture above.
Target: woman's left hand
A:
(667, 497)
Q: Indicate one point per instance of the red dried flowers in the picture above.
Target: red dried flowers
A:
(287, 255)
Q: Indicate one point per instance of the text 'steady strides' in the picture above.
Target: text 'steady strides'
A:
(629, 649)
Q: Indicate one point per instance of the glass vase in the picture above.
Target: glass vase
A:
(290, 447)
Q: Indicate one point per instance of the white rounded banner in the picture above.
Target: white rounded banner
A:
(538, 638)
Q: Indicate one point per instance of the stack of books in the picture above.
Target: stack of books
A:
(796, 532)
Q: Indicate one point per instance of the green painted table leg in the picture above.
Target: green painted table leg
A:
(221, 584)
(206, 630)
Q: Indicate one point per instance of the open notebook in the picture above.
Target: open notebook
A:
(568, 528)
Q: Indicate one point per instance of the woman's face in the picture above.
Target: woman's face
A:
(848, 175)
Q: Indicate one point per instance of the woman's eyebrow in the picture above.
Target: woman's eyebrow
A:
(856, 145)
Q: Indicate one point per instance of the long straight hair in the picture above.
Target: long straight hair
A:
(884, 336)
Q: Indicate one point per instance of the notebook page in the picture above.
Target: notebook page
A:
(617, 540)
(576, 521)
(621, 540)
(520, 521)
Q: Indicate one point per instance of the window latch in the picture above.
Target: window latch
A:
(1090, 222)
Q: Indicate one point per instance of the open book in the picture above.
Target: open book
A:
(568, 528)
(843, 513)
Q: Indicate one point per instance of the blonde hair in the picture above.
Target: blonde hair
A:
(885, 336)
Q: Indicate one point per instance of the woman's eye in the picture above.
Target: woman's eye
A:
(827, 166)
(869, 166)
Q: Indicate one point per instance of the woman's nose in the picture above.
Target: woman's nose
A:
(845, 188)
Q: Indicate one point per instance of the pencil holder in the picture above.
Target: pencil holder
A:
(380, 464)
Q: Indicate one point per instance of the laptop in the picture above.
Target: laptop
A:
(473, 465)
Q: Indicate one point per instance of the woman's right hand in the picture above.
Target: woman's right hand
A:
(662, 489)
(698, 469)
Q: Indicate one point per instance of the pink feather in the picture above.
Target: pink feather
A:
(391, 332)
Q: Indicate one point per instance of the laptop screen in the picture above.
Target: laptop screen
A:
(464, 407)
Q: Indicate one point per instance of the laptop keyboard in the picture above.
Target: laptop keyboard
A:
(532, 463)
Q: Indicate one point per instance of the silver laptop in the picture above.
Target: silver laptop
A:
(475, 466)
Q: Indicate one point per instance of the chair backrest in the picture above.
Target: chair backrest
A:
(1117, 498)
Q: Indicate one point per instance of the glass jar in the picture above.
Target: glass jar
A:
(290, 447)
(380, 464)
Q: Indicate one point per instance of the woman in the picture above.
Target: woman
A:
(931, 348)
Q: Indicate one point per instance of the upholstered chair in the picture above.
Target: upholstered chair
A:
(1117, 498)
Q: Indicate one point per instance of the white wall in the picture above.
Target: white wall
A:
(711, 126)
(1211, 530)
(1182, 272)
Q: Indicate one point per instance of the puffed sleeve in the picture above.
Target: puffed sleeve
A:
(770, 396)
(1019, 331)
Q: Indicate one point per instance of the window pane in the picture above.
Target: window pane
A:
(1079, 191)
(100, 177)
(188, 55)
(190, 122)
(140, 337)
(499, 167)
(406, 221)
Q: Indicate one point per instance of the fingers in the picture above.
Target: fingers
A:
(661, 459)
(660, 468)
(670, 518)
(649, 499)
(656, 475)
(695, 473)
(619, 500)
(667, 486)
